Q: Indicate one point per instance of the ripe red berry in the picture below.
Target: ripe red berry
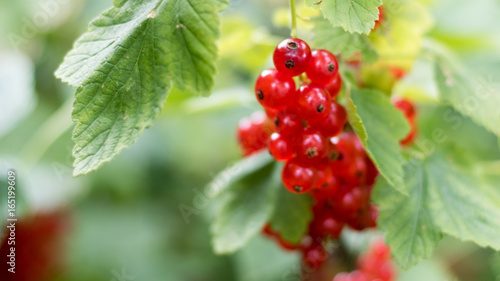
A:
(334, 122)
(314, 256)
(312, 102)
(326, 179)
(311, 146)
(327, 224)
(274, 90)
(291, 57)
(348, 151)
(348, 201)
(288, 123)
(253, 133)
(381, 16)
(323, 67)
(298, 177)
(355, 172)
(333, 88)
(281, 147)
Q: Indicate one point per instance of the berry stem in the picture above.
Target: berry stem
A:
(293, 33)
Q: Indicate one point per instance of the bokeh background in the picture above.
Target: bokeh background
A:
(123, 221)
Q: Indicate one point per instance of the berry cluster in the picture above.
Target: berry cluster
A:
(376, 264)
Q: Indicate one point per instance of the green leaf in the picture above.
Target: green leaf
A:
(126, 64)
(246, 207)
(406, 219)
(292, 215)
(248, 165)
(335, 39)
(443, 197)
(472, 96)
(353, 16)
(380, 126)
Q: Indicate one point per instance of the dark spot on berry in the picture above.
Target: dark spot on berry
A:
(260, 94)
(292, 45)
(340, 157)
(304, 123)
(359, 174)
(276, 122)
(320, 108)
(334, 155)
(324, 185)
(312, 152)
(297, 188)
(331, 67)
(289, 64)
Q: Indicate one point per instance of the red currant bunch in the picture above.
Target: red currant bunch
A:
(305, 128)
(375, 264)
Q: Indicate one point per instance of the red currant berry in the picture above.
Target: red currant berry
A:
(355, 172)
(323, 67)
(271, 113)
(334, 123)
(314, 256)
(333, 88)
(348, 201)
(371, 171)
(291, 57)
(346, 144)
(298, 177)
(405, 106)
(253, 133)
(274, 90)
(326, 179)
(312, 102)
(381, 16)
(327, 224)
(281, 147)
(288, 123)
(311, 146)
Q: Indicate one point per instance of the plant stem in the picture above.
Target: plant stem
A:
(294, 19)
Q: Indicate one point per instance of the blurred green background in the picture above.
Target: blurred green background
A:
(125, 220)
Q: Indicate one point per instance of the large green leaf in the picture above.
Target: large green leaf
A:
(126, 64)
(353, 16)
(473, 96)
(336, 39)
(406, 219)
(292, 215)
(379, 126)
(246, 206)
(444, 197)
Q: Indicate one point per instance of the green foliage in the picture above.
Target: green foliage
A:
(356, 16)
(126, 64)
(443, 197)
(254, 196)
(337, 40)
(406, 220)
(292, 215)
(379, 126)
(245, 208)
(472, 97)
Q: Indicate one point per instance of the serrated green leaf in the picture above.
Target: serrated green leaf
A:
(353, 16)
(478, 100)
(125, 65)
(406, 220)
(443, 197)
(336, 39)
(292, 215)
(236, 172)
(380, 126)
(246, 207)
